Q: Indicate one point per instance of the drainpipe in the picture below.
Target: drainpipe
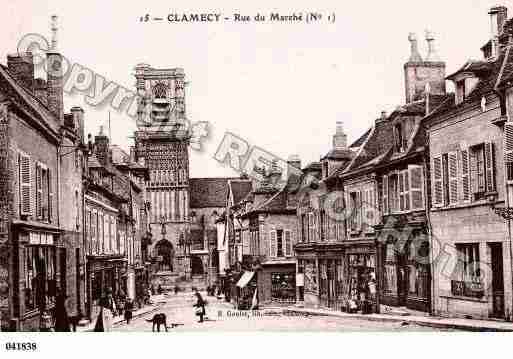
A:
(432, 295)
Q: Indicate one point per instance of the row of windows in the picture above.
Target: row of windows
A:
(101, 233)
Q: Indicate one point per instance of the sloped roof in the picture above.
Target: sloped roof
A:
(35, 106)
(339, 154)
(361, 140)
(209, 192)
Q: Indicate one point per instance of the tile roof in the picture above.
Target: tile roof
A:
(209, 192)
(33, 103)
(360, 141)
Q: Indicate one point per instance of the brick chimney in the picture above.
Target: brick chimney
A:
(418, 72)
(78, 120)
(21, 67)
(101, 147)
(55, 77)
(498, 17)
(339, 138)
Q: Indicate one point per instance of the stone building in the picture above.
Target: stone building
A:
(41, 163)
(115, 224)
(468, 150)
(321, 233)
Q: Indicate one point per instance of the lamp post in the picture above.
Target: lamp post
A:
(185, 245)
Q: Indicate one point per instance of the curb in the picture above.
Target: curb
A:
(424, 323)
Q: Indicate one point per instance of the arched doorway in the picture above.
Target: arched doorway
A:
(196, 266)
(165, 255)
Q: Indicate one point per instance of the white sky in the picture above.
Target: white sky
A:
(279, 86)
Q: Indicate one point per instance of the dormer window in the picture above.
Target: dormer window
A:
(465, 84)
(400, 138)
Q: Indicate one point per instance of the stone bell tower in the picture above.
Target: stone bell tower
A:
(162, 145)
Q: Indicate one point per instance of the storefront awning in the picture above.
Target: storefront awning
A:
(244, 280)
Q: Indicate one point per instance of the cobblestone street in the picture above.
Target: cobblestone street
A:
(222, 317)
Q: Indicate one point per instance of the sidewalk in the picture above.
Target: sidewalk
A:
(157, 303)
(430, 321)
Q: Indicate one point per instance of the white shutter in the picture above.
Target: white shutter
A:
(416, 182)
(39, 191)
(272, 245)
(465, 175)
(406, 194)
(287, 243)
(385, 195)
(438, 196)
(452, 167)
(25, 185)
(400, 180)
(490, 167)
(50, 195)
(359, 210)
(508, 150)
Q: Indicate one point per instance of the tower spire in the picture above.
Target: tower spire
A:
(54, 28)
(432, 55)
(414, 49)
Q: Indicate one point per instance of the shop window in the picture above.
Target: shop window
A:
(390, 273)
(418, 273)
(40, 280)
(466, 277)
(283, 287)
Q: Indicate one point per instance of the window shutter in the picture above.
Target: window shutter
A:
(385, 195)
(39, 191)
(25, 185)
(437, 182)
(272, 245)
(288, 244)
(359, 210)
(407, 206)
(490, 167)
(401, 191)
(416, 182)
(465, 175)
(508, 150)
(50, 195)
(452, 159)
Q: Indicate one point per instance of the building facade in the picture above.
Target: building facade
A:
(41, 165)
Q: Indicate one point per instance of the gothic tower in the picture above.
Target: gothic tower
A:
(162, 145)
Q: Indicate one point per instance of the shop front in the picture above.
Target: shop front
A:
(246, 288)
(105, 272)
(405, 269)
(361, 281)
(40, 274)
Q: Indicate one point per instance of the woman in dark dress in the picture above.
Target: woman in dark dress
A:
(62, 323)
(129, 308)
(200, 305)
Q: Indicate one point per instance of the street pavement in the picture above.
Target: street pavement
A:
(223, 317)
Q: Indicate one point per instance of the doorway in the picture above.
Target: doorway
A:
(196, 265)
(497, 280)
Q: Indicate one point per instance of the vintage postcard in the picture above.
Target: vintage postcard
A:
(287, 166)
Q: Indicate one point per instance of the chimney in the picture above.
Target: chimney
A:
(101, 147)
(40, 90)
(414, 48)
(21, 67)
(432, 56)
(78, 120)
(55, 77)
(498, 16)
(294, 161)
(340, 138)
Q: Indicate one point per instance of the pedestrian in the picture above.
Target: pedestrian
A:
(107, 309)
(62, 323)
(200, 305)
(159, 289)
(129, 308)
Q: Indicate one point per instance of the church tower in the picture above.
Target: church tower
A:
(162, 145)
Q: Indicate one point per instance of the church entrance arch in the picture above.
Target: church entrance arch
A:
(165, 255)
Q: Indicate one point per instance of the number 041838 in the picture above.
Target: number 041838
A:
(10, 346)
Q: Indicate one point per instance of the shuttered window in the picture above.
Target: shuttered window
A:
(489, 166)
(465, 175)
(25, 184)
(385, 195)
(406, 193)
(416, 182)
(287, 243)
(508, 150)
(272, 245)
(452, 166)
(437, 182)
(39, 191)
(401, 192)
